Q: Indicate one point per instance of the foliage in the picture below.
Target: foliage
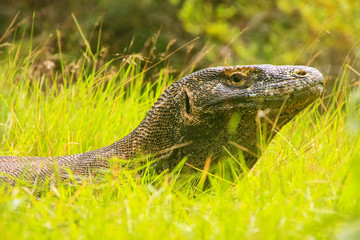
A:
(319, 33)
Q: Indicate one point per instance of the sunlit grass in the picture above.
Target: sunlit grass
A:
(305, 185)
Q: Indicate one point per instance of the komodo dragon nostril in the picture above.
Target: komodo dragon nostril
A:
(300, 72)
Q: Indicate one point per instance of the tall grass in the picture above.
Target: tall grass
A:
(305, 186)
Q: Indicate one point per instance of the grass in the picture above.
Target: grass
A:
(305, 186)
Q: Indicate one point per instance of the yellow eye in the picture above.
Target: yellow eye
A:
(238, 78)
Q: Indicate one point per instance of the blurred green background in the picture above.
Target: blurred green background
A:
(321, 33)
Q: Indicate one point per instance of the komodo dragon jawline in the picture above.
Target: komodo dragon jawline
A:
(194, 118)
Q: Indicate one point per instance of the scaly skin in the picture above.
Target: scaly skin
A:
(196, 117)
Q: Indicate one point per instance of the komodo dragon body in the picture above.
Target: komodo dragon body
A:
(204, 115)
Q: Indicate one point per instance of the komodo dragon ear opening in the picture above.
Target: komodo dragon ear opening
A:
(187, 112)
(187, 104)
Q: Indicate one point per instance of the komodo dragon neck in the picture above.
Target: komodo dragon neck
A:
(204, 115)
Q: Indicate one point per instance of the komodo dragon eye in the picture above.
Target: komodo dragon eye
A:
(238, 79)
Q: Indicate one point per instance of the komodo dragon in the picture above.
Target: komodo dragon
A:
(194, 118)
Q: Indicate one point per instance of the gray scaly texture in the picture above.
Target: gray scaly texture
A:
(202, 116)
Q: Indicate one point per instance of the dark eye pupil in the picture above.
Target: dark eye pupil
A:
(236, 78)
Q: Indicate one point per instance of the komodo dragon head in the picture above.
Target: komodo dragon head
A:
(219, 110)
